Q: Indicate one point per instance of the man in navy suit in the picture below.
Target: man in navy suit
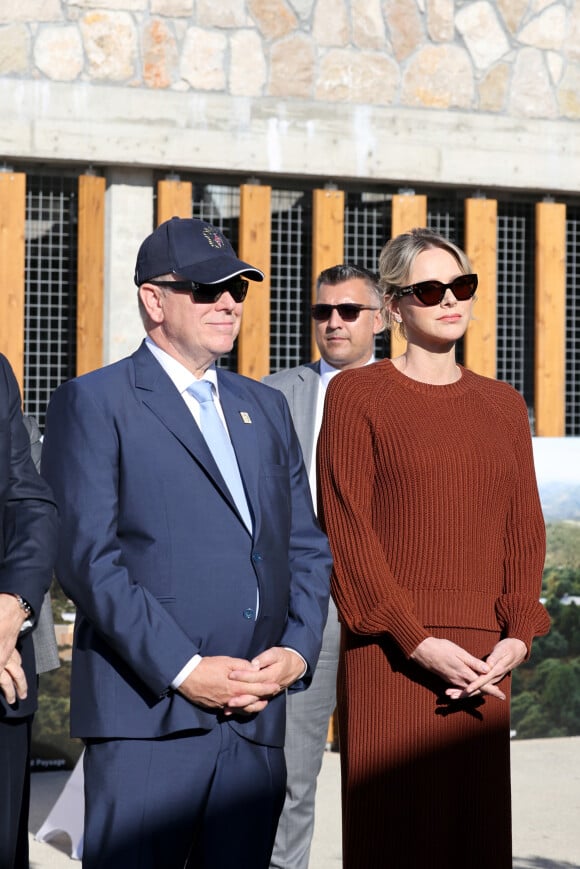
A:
(199, 601)
(28, 531)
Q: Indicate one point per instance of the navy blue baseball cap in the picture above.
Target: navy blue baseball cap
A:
(193, 249)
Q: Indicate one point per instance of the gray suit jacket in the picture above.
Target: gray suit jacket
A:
(45, 647)
(300, 386)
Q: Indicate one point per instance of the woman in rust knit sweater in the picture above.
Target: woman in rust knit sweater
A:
(429, 498)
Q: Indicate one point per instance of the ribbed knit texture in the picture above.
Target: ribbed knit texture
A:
(429, 499)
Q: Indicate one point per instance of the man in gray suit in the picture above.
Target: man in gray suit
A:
(346, 319)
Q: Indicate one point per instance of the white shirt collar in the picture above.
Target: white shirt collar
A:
(180, 376)
(327, 372)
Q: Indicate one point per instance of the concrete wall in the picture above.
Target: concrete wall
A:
(412, 91)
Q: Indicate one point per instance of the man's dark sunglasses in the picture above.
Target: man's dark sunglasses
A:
(433, 292)
(347, 311)
(207, 293)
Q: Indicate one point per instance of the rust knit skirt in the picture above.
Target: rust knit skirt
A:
(425, 782)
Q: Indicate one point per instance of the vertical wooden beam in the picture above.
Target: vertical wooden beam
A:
(254, 248)
(327, 251)
(327, 237)
(408, 211)
(12, 232)
(174, 199)
(90, 273)
(481, 248)
(550, 319)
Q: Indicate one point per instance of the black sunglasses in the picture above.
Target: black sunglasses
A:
(207, 293)
(347, 311)
(433, 292)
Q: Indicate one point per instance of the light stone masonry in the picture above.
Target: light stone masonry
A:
(483, 33)
(248, 67)
(406, 27)
(438, 77)
(368, 28)
(30, 11)
(112, 5)
(58, 52)
(532, 91)
(110, 41)
(440, 23)
(15, 42)
(349, 76)
(330, 26)
(569, 92)
(273, 17)
(303, 8)
(292, 67)
(226, 13)
(203, 59)
(493, 88)
(547, 31)
(172, 8)
(160, 55)
(555, 65)
(512, 12)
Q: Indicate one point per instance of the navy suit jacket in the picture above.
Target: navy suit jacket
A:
(156, 557)
(28, 527)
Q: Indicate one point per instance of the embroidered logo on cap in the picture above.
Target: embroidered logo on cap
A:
(213, 237)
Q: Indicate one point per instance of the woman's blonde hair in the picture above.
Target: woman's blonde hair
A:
(397, 259)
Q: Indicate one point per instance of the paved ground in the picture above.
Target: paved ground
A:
(546, 810)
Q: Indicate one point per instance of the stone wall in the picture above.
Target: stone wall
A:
(511, 57)
(399, 89)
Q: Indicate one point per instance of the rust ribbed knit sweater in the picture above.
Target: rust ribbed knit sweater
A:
(429, 498)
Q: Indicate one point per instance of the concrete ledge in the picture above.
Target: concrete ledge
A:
(116, 125)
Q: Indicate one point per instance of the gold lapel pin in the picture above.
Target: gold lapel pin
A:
(246, 417)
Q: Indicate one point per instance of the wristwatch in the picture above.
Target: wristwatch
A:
(24, 605)
(28, 623)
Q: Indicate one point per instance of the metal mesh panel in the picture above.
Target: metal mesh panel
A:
(446, 216)
(50, 289)
(573, 321)
(219, 204)
(515, 312)
(290, 279)
(367, 228)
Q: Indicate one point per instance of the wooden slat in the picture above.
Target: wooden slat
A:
(173, 200)
(12, 227)
(254, 248)
(481, 248)
(90, 273)
(550, 319)
(332, 732)
(408, 211)
(327, 237)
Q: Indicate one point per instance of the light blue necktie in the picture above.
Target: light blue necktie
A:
(220, 445)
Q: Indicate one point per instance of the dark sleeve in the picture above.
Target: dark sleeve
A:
(29, 517)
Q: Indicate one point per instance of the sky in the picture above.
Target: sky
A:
(557, 459)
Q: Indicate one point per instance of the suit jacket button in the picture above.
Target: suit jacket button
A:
(249, 614)
(256, 557)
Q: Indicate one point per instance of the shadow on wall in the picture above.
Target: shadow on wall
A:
(542, 863)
